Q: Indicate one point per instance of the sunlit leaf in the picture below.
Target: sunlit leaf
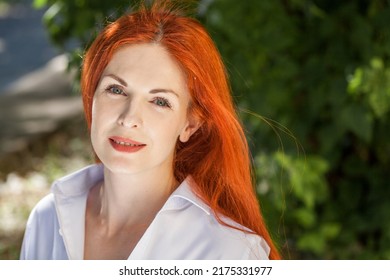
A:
(38, 4)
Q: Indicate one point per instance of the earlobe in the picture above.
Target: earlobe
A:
(191, 127)
(184, 136)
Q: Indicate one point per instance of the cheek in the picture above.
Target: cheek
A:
(95, 118)
(102, 113)
(94, 132)
(99, 120)
(164, 131)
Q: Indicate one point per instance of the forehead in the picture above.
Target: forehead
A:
(151, 62)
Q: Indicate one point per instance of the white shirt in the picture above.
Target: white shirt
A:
(184, 228)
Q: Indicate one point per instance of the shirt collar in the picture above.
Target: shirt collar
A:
(70, 194)
(183, 195)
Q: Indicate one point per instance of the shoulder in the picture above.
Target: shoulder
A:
(244, 242)
(43, 238)
(229, 239)
(44, 210)
(41, 229)
(202, 234)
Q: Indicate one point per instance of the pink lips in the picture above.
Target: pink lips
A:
(126, 145)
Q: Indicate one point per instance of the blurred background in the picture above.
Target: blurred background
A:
(311, 80)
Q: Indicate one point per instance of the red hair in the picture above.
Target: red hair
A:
(217, 155)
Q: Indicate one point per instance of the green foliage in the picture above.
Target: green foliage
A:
(373, 83)
(322, 70)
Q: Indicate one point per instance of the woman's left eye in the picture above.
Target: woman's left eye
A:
(162, 102)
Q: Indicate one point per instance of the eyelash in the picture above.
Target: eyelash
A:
(110, 89)
(167, 104)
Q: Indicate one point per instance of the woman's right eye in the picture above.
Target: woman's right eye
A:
(115, 90)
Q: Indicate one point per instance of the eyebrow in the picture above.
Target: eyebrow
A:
(153, 91)
(115, 77)
(157, 90)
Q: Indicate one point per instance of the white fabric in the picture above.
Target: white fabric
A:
(184, 228)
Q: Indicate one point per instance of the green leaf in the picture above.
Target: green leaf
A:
(39, 4)
(355, 81)
(306, 177)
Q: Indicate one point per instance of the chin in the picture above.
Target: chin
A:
(120, 165)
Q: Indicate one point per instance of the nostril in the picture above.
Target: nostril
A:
(128, 123)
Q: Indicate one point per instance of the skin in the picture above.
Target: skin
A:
(142, 95)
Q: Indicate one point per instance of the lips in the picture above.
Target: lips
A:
(127, 145)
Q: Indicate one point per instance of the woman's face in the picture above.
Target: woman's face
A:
(140, 110)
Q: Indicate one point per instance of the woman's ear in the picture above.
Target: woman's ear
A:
(192, 125)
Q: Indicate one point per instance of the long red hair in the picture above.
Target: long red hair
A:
(217, 155)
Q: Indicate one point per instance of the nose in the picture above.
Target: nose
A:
(131, 114)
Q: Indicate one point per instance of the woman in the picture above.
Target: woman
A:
(174, 177)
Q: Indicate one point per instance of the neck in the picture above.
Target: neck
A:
(131, 200)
